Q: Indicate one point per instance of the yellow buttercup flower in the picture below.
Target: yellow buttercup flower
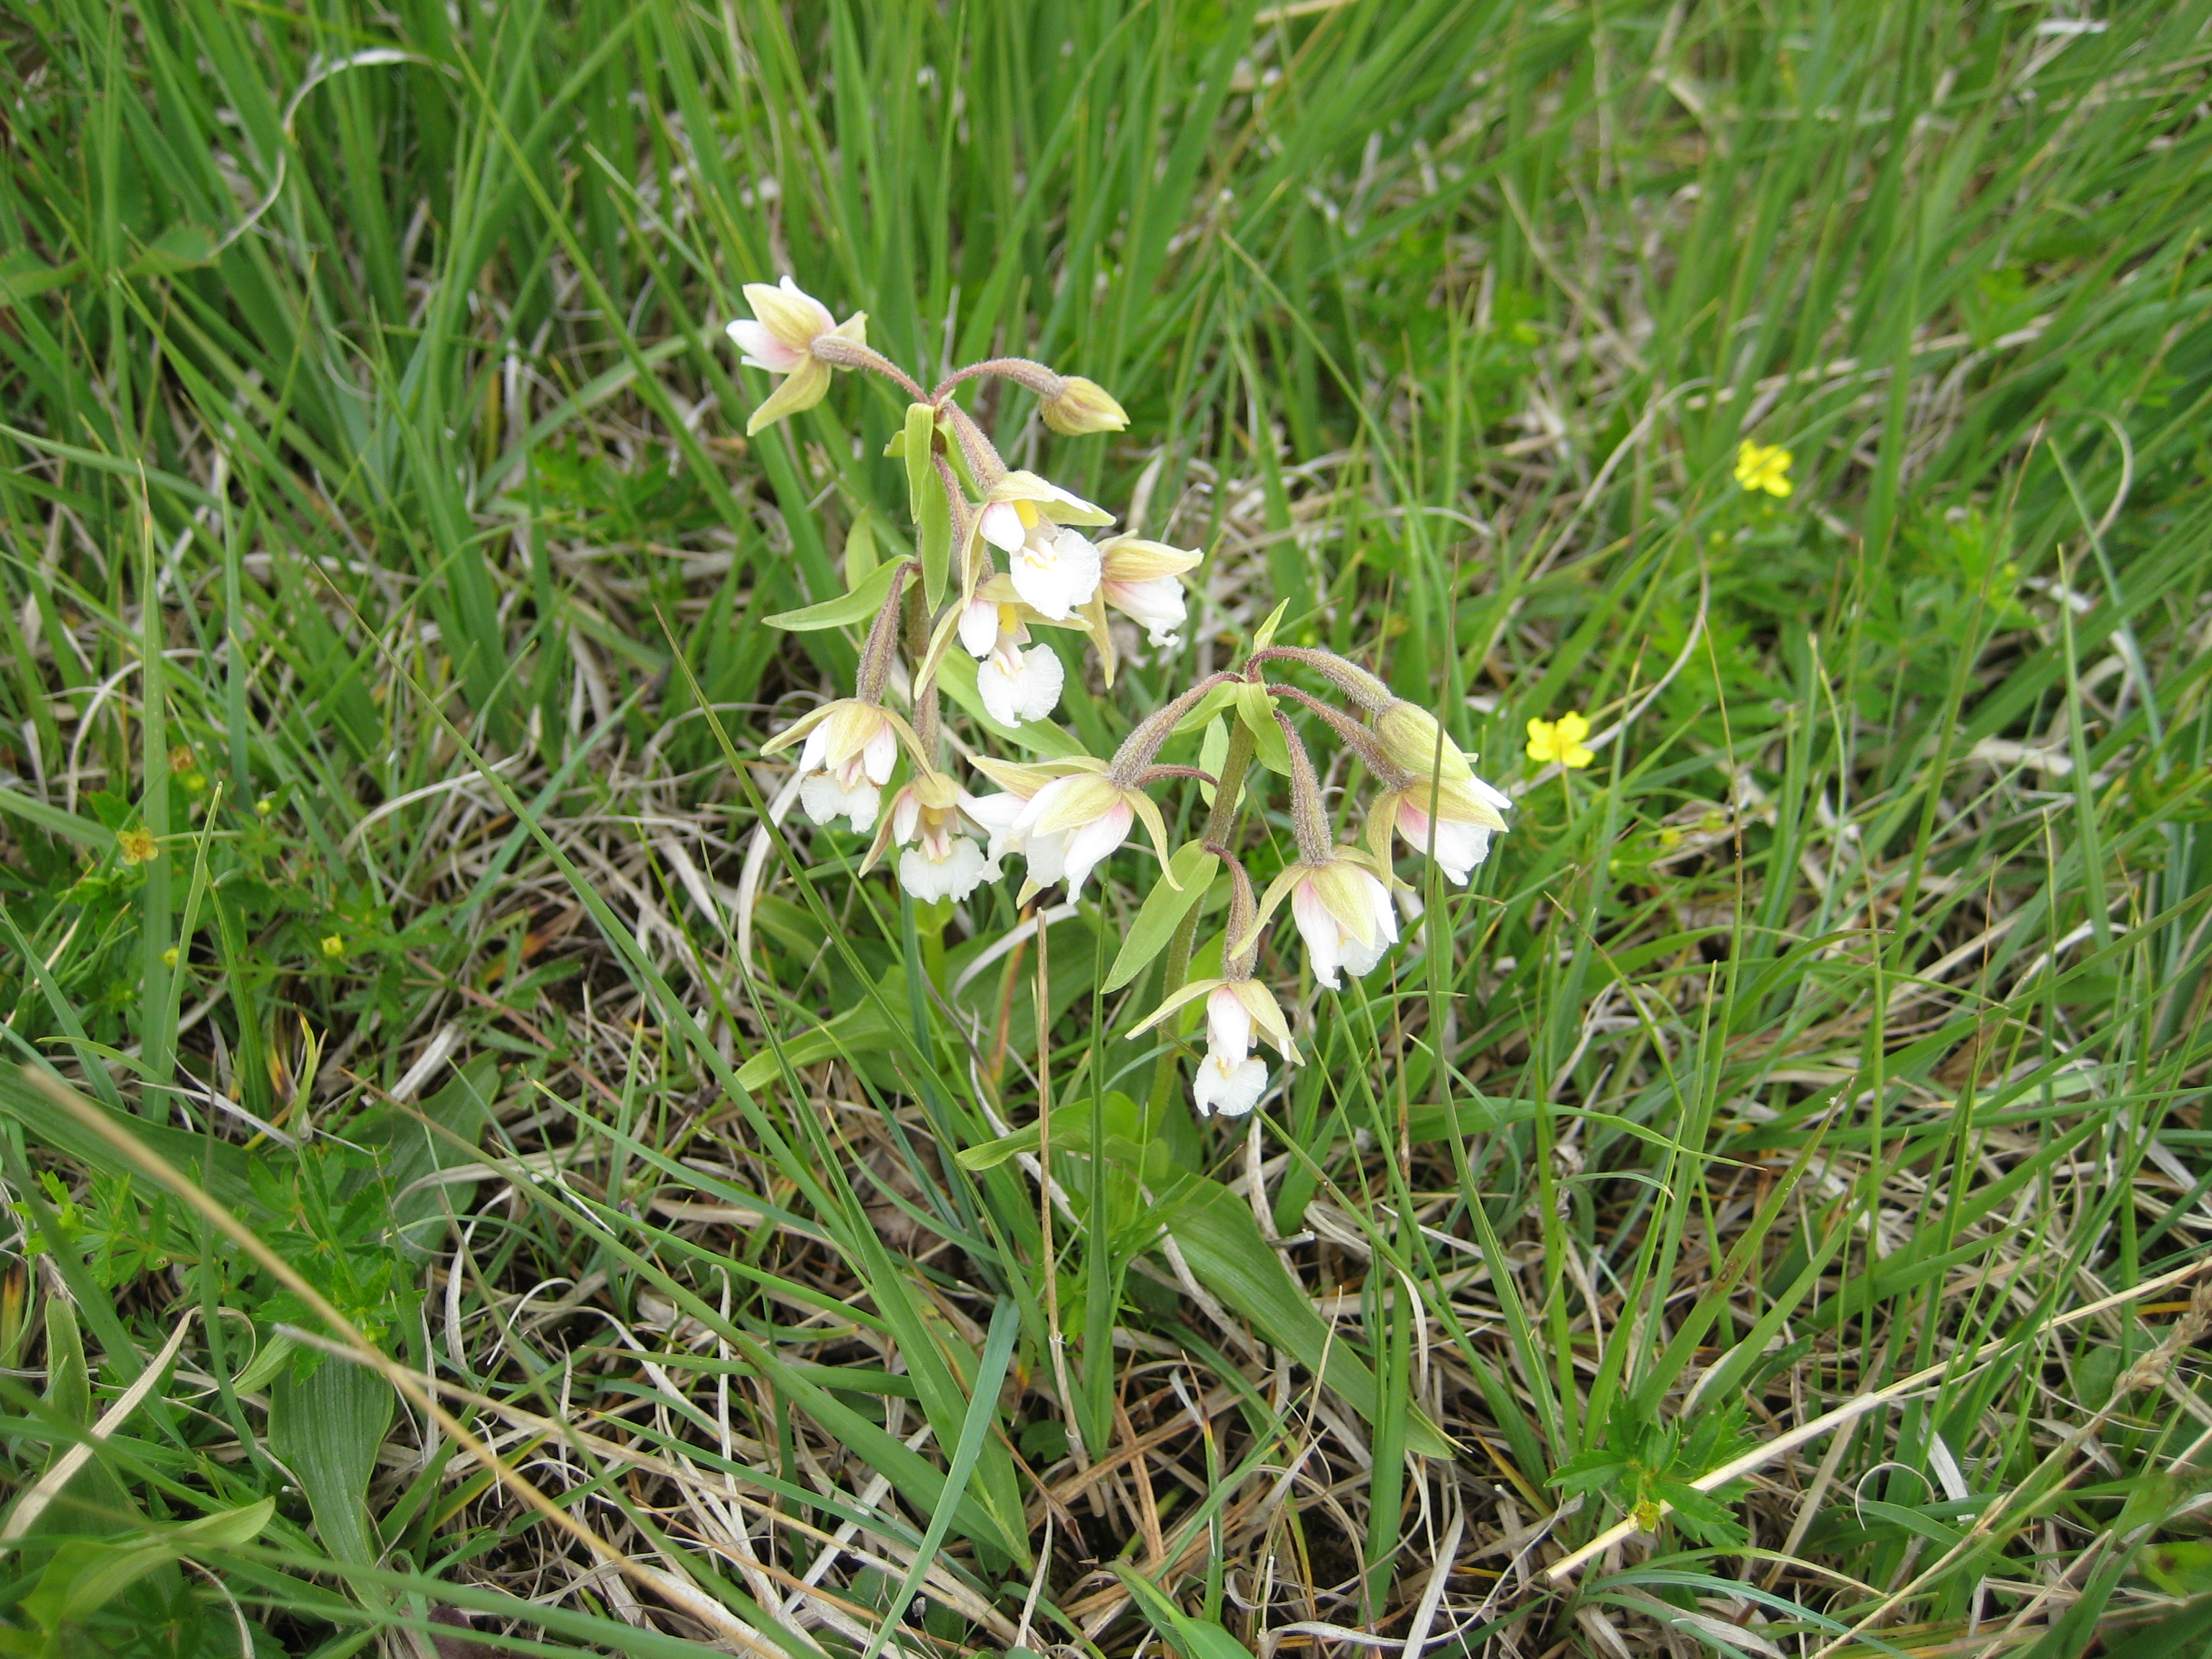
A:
(333, 946)
(1560, 740)
(1763, 466)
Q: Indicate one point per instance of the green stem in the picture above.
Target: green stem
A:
(1220, 826)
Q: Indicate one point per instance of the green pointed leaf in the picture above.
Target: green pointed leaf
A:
(934, 525)
(1162, 912)
(914, 446)
(860, 558)
(326, 1430)
(181, 247)
(1220, 1240)
(1194, 1638)
(1264, 635)
(858, 605)
(1255, 707)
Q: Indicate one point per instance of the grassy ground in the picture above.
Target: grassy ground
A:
(1811, 1085)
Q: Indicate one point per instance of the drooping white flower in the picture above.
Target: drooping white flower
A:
(1015, 684)
(1465, 816)
(1342, 908)
(932, 818)
(1230, 1078)
(1069, 826)
(850, 747)
(1138, 579)
(1054, 569)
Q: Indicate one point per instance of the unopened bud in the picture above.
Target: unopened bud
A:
(1417, 743)
(1083, 406)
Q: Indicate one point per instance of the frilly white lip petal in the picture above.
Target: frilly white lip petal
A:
(1231, 1089)
(824, 798)
(1055, 575)
(1030, 693)
(955, 876)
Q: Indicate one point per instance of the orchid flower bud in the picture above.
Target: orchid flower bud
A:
(779, 337)
(1082, 406)
(1417, 743)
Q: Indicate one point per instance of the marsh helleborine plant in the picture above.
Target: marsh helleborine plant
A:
(1003, 553)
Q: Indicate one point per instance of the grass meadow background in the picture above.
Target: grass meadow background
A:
(385, 855)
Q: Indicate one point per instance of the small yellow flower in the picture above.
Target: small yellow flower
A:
(169, 956)
(1763, 466)
(138, 846)
(334, 947)
(1560, 740)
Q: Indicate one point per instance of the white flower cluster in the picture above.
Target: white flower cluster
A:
(1065, 817)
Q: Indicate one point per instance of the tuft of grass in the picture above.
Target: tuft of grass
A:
(1762, 1215)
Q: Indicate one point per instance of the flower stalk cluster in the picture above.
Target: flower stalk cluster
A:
(1005, 554)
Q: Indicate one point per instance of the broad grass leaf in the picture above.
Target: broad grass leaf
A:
(1220, 1240)
(1194, 1638)
(218, 1166)
(326, 1430)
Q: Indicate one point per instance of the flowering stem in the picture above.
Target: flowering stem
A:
(981, 455)
(1241, 909)
(882, 644)
(1309, 822)
(1023, 371)
(1362, 687)
(1356, 737)
(839, 352)
(1138, 748)
(1221, 833)
(917, 651)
